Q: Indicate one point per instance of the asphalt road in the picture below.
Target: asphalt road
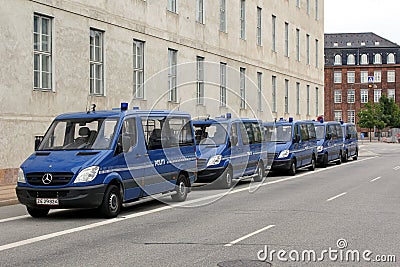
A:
(348, 207)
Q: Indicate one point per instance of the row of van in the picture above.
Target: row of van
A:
(104, 159)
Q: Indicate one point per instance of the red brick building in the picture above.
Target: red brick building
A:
(359, 68)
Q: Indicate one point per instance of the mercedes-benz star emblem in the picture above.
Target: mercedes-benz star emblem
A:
(47, 178)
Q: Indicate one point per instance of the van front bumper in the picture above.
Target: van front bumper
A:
(210, 174)
(69, 197)
(281, 164)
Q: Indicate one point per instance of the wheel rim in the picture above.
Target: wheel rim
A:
(260, 172)
(113, 203)
(293, 167)
(181, 188)
(228, 178)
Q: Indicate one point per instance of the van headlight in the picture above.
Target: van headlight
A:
(87, 175)
(320, 148)
(214, 160)
(284, 154)
(21, 176)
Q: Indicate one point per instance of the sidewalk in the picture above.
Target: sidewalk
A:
(7, 195)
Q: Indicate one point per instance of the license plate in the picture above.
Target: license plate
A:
(47, 201)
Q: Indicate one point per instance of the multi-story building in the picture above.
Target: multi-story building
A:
(252, 58)
(359, 68)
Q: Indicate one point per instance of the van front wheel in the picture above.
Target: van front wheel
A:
(112, 202)
(292, 169)
(260, 172)
(181, 189)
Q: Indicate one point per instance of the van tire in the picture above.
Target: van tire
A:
(38, 212)
(313, 163)
(324, 162)
(339, 161)
(292, 169)
(356, 155)
(345, 156)
(260, 172)
(181, 189)
(226, 179)
(112, 202)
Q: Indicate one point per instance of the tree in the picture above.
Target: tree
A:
(390, 111)
(368, 117)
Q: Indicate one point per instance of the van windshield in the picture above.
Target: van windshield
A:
(77, 134)
(278, 133)
(211, 134)
(320, 131)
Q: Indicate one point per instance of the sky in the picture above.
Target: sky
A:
(381, 17)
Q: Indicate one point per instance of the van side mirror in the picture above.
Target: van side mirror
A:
(38, 141)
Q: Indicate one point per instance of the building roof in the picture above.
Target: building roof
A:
(354, 40)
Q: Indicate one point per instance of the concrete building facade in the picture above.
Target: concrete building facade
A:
(253, 58)
(359, 68)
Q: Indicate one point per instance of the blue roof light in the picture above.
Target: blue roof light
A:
(290, 119)
(124, 106)
(228, 115)
(135, 108)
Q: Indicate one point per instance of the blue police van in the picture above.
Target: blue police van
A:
(350, 141)
(230, 149)
(291, 145)
(102, 159)
(329, 141)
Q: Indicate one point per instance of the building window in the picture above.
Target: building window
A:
(138, 69)
(391, 76)
(308, 49)
(337, 77)
(351, 60)
(351, 118)
(286, 39)
(364, 96)
(286, 96)
(338, 60)
(42, 51)
(391, 59)
(259, 30)
(316, 101)
(351, 77)
(222, 89)
(172, 75)
(377, 95)
(364, 59)
(316, 53)
(364, 76)
(96, 62)
(273, 93)
(172, 6)
(378, 59)
(308, 7)
(242, 88)
(351, 96)
(222, 16)
(377, 76)
(200, 11)
(200, 80)
(259, 91)
(273, 33)
(337, 96)
(316, 10)
(243, 19)
(298, 98)
(338, 115)
(391, 94)
(298, 3)
(298, 44)
(308, 100)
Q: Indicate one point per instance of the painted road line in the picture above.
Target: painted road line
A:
(14, 218)
(143, 213)
(335, 197)
(377, 178)
(249, 235)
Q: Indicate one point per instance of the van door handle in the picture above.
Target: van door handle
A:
(138, 155)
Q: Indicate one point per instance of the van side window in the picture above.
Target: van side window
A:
(250, 132)
(339, 132)
(258, 134)
(332, 131)
(311, 131)
(243, 133)
(234, 134)
(180, 132)
(129, 133)
(296, 130)
(152, 132)
(304, 132)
